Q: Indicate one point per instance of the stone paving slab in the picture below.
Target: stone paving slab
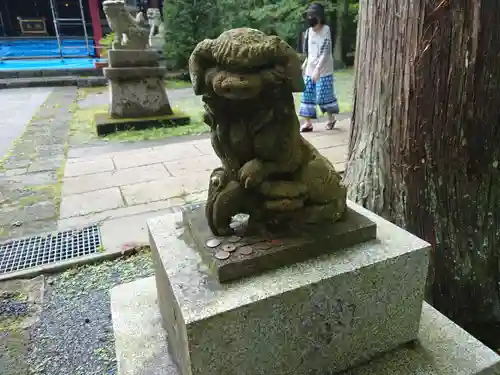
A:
(137, 232)
(104, 180)
(183, 167)
(165, 188)
(91, 202)
(118, 213)
(122, 189)
(80, 168)
(155, 155)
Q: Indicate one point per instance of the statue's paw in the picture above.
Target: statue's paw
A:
(283, 189)
(251, 174)
(284, 205)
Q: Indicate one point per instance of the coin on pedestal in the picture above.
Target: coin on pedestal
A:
(229, 248)
(262, 246)
(233, 239)
(245, 250)
(212, 242)
(221, 255)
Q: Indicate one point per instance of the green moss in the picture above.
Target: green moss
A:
(166, 118)
(85, 91)
(14, 296)
(159, 133)
(105, 44)
(177, 84)
(83, 129)
(29, 201)
(8, 324)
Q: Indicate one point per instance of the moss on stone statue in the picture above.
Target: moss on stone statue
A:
(269, 170)
(106, 125)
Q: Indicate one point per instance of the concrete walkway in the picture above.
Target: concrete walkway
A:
(29, 172)
(122, 189)
(16, 111)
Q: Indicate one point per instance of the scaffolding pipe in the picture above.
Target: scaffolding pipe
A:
(57, 25)
(69, 19)
(3, 25)
(84, 24)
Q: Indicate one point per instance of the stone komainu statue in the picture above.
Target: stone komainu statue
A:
(156, 28)
(130, 32)
(269, 171)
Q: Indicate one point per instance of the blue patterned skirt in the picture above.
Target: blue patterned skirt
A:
(321, 93)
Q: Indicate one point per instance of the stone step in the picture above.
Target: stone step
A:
(443, 348)
(14, 83)
(38, 73)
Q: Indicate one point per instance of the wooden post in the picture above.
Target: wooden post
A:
(154, 4)
(96, 22)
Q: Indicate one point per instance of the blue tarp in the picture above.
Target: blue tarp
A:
(48, 64)
(44, 48)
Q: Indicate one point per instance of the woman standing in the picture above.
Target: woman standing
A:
(318, 70)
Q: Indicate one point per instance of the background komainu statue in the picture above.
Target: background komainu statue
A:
(156, 29)
(130, 32)
(269, 171)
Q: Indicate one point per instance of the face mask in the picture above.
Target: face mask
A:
(313, 21)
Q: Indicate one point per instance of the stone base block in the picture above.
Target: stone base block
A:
(320, 316)
(106, 125)
(132, 58)
(266, 253)
(134, 73)
(442, 347)
(138, 98)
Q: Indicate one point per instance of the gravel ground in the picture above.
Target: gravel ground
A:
(74, 334)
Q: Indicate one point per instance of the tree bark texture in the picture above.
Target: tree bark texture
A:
(337, 52)
(424, 146)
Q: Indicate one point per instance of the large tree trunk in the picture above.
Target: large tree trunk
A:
(424, 146)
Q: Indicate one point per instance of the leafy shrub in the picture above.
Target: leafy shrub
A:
(105, 44)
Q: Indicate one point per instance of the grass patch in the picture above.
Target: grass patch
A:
(29, 200)
(177, 84)
(158, 133)
(83, 128)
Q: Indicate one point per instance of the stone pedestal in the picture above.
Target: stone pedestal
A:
(256, 254)
(442, 348)
(137, 95)
(136, 85)
(323, 315)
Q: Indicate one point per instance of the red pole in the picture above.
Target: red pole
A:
(96, 22)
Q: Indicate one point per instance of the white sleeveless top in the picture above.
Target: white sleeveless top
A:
(319, 43)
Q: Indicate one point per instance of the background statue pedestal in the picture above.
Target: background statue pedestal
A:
(138, 98)
(136, 85)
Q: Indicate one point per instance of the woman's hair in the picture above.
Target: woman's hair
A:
(317, 10)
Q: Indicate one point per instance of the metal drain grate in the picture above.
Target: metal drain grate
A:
(39, 250)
